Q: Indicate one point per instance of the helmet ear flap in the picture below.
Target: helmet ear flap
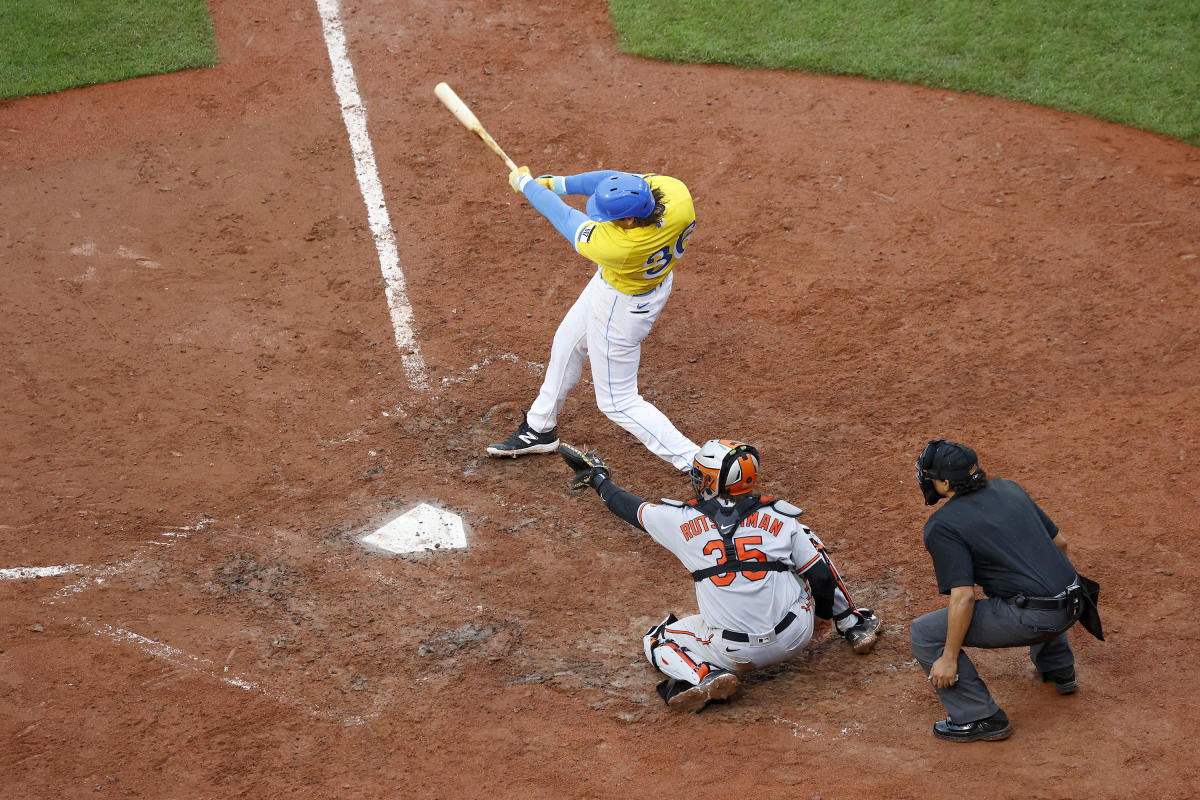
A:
(739, 470)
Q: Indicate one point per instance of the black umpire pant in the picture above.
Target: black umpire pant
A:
(994, 624)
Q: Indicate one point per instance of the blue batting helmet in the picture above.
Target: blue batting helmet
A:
(619, 196)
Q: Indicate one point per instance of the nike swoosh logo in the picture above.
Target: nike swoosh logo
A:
(642, 305)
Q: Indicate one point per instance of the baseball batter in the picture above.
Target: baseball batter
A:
(762, 578)
(635, 231)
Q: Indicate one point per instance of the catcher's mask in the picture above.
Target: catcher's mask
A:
(724, 468)
(619, 196)
(945, 461)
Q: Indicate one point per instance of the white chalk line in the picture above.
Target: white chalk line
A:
(354, 114)
(93, 574)
(22, 573)
(801, 731)
(490, 360)
(96, 575)
(170, 654)
(208, 668)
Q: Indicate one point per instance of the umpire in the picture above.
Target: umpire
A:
(992, 534)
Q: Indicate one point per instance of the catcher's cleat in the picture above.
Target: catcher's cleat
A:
(862, 637)
(525, 441)
(718, 684)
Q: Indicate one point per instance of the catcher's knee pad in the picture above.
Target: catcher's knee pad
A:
(672, 659)
(656, 630)
(653, 638)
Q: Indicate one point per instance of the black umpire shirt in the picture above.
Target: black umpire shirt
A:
(998, 538)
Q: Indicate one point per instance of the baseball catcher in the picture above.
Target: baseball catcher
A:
(762, 578)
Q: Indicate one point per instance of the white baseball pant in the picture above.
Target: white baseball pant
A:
(684, 649)
(606, 327)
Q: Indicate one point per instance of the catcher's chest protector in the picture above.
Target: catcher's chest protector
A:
(727, 519)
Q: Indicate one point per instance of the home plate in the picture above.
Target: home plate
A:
(423, 528)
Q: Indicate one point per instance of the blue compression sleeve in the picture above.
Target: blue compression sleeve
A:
(566, 220)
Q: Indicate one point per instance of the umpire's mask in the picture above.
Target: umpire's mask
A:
(946, 461)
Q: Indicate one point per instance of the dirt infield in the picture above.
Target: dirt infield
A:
(205, 408)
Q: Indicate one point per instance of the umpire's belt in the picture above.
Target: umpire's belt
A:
(735, 636)
(1066, 599)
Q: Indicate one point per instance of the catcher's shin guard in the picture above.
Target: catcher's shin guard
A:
(651, 639)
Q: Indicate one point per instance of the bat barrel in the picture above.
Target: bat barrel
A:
(464, 115)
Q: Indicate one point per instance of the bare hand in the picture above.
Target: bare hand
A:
(944, 672)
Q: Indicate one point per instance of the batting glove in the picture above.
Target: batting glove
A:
(518, 178)
(555, 183)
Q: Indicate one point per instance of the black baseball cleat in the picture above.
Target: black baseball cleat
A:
(718, 684)
(990, 729)
(525, 441)
(1064, 680)
(862, 637)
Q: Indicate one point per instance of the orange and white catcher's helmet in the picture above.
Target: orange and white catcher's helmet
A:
(724, 468)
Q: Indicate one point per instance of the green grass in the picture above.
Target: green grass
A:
(1136, 62)
(48, 45)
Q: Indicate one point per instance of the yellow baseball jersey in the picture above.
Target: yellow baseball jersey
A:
(635, 260)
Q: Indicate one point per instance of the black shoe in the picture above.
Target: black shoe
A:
(863, 635)
(525, 441)
(992, 729)
(1064, 680)
(718, 684)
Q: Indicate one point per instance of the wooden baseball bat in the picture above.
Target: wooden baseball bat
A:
(464, 115)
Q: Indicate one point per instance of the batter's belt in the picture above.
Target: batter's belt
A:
(651, 290)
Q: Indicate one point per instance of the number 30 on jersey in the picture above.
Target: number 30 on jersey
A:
(661, 259)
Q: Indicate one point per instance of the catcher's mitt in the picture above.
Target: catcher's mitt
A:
(590, 469)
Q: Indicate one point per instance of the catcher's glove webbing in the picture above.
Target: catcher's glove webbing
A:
(590, 469)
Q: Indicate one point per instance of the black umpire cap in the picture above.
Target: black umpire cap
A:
(947, 461)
